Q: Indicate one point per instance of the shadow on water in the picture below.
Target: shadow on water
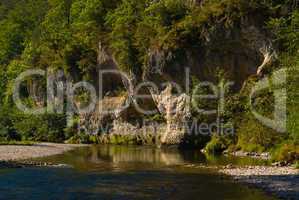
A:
(141, 157)
(126, 172)
(283, 186)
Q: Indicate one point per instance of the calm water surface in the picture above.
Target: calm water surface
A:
(125, 173)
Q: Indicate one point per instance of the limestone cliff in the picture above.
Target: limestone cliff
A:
(241, 52)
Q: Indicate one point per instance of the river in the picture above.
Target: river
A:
(125, 173)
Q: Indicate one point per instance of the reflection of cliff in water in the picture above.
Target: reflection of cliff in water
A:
(121, 158)
(125, 154)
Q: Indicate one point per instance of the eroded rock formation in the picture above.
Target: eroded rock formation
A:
(239, 52)
(175, 109)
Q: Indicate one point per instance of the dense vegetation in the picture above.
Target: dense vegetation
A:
(64, 35)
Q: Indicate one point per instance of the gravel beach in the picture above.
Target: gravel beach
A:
(282, 182)
(20, 152)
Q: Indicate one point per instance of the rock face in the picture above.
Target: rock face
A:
(258, 41)
(240, 52)
(175, 109)
(107, 111)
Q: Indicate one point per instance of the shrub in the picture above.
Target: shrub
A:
(195, 141)
(80, 138)
(288, 151)
(48, 127)
(93, 139)
(252, 148)
(217, 145)
(125, 139)
(13, 142)
(3, 133)
(255, 137)
(72, 129)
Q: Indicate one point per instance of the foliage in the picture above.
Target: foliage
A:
(130, 139)
(285, 29)
(19, 143)
(286, 34)
(155, 118)
(65, 34)
(46, 127)
(218, 144)
(81, 138)
(7, 130)
(287, 151)
(255, 137)
(192, 141)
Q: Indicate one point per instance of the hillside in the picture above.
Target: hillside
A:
(157, 41)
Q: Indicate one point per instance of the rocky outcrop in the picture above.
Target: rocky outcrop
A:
(175, 109)
(107, 68)
(128, 133)
(107, 110)
(113, 119)
(269, 57)
(241, 51)
(259, 42)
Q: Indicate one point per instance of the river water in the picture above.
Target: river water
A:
(125, 173)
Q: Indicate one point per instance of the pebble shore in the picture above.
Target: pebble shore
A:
(12, 156)
(282, 182)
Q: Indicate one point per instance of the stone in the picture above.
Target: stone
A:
(175, 109)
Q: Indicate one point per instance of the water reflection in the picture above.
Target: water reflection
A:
(118, 158)
(120, 154)
(126, 172)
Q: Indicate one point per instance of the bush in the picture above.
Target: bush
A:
(217, 145)
(255, 137)
(7, 131)
(72, 129)
(125, 140)
(292, 106)
(82, 138)
(252, 148)
(13, 142)
(48, 127)
(288, 151)
(131, 139)
(195, 141)
(3, 133)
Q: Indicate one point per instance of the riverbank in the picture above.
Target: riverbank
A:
(282, 182)
(279, 181)
(23, 152)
